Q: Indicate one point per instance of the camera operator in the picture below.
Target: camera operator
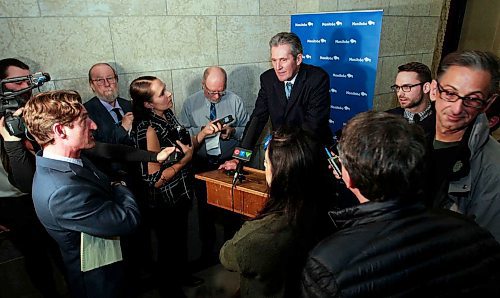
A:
(17, 214)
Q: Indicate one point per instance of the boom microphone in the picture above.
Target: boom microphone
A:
(36, 79)
(39, 78)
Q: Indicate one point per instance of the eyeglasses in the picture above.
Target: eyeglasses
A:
(467, 101)
(212, 93)
(101, 81)
(405, 88)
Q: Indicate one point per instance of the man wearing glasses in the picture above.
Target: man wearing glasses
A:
(211, 103)
(465, 159)
(113, 117)
(412, 87)
(112, 114)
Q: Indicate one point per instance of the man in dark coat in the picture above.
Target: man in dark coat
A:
(390, 244)
(292, 93)
(111, 113)
(75, 202)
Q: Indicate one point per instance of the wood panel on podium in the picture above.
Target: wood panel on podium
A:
(247, 197)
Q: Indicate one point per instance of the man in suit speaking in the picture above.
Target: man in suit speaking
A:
(77, 204)
(292, 93)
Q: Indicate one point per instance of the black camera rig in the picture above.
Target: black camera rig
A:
(10, 101)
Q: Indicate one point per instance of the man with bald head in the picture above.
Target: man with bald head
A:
(211, 103)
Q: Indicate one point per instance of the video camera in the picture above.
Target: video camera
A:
(10, 101)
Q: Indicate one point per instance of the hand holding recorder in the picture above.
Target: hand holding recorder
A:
(335, 165)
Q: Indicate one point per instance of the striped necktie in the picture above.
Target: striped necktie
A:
(118, 114)
(213, 112)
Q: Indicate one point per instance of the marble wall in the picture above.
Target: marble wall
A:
(176, 39)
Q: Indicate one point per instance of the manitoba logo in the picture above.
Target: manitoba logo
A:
(307, 56)
(364, 60)
(344, 108)
(354, 93)
(345, 41)
(321, 40)
(343, 75)
(331, 24)
(333, 90)
(329, 58)
(368, 23)
(304, 24)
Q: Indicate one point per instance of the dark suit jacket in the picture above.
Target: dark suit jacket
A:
(428, 124)
(308, 106)
(107, 130)
(70, 199)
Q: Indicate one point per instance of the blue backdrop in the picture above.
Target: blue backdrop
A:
(345, 45)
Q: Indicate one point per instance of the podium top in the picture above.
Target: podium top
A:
(254, 183)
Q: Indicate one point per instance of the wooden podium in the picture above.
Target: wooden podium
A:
(249, 196)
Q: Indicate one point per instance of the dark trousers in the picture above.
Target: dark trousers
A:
(169, 225)
(137, 260)
(136, 247)
(30, 238)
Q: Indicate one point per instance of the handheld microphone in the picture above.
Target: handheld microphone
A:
(243, 155)
(248, 141)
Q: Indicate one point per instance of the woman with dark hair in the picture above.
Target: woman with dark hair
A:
(269, 250)
(170, 184)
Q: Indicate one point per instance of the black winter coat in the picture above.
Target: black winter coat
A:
(403, 250)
